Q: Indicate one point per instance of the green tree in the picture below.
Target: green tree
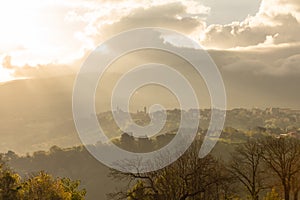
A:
(139, 192)
(9, 185)
(72, 187)
(273, 195)
(44, 187)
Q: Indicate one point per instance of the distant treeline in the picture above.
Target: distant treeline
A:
(273, 120)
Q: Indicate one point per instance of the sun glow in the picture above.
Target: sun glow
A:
(35, 32)
(17, 19)
(5, 75)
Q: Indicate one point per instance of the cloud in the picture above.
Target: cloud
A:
(271, 61)
(6, 62)
(290, 65)
(266, 44)
(276, 19)
(176, 16)
(9, 71)
(36, 32)
(58, 34)
(222, 11)
(260, 77)
(62, 31)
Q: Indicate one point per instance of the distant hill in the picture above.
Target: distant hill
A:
(36, 114)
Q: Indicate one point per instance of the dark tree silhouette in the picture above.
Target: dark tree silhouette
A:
(246, 166)
(187, 178)
(282, 156)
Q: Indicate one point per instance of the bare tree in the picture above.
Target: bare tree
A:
(282, 156)
(246, 166)
(188, 178)
(296, 186)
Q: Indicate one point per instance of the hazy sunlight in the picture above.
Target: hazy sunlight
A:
(5, 75)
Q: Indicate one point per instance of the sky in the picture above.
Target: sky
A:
(37, 33)
(255, 44)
